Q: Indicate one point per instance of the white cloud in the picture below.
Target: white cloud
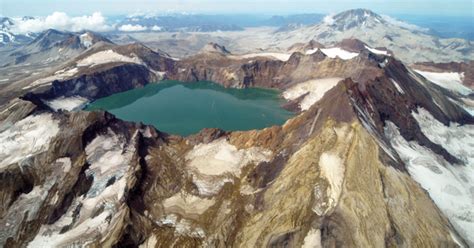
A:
(329, 20)
(156, 28)
(61, 21)
(132, 28)
(403, 24)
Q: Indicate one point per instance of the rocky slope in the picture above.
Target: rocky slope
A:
(372, 159)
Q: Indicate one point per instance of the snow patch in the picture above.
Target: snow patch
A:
(311, 51)
(450, 187)
(315, 90)
(397, 86)
(67, 103)
(26, 138)
(338, 52)
(107, 56)
(220, 157)
(86, 39)
(279, 56)
(312, 239)
(65, 163)
(448, 80)
(208, 186)
(332, 168)
(376, 51)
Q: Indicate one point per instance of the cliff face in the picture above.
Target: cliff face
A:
(264, 72)
(104, 82)
(373, 161)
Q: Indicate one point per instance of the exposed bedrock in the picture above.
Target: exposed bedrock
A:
(334, 175)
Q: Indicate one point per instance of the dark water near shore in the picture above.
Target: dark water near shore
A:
(186, 108)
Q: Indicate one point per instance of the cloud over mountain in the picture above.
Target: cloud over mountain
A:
(62, 21)
(132, 28)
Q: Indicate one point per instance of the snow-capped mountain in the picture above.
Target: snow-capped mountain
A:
(8, 37)
(410, 42)
(354, 18)
(53, 45)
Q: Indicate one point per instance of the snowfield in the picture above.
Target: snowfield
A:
(214, 163)
(67, 103)
(376, 51)
(279, 56)
(102, 206)
(450, 186)
(26, 138)
(104, 57)
(312, 239)
(314, 88)
(332, 168)
(219, 157)
(456, 139)
(448, 80)
(335, 52)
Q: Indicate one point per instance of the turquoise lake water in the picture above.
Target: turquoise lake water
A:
(186, 108)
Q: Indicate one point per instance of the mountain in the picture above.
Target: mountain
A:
(409, 42)
(354, 19)
(44, 54)
(53, 45)
(370, 159)
(9, 38)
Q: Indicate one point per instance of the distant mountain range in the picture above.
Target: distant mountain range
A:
(52, 45)
(410, 42)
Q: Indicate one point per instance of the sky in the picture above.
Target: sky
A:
(115, 7)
